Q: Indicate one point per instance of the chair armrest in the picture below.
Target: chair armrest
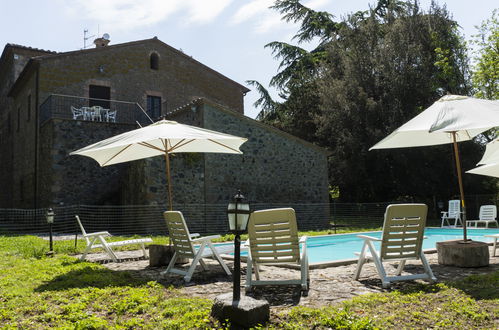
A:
(370, 238)
(206, 238)
(99, 233)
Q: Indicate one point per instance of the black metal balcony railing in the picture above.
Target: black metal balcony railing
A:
(88, 109)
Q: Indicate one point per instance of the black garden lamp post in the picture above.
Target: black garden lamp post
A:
(50, 220)
(238, 213)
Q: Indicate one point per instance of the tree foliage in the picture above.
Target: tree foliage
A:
(369, 74)
(486, 71)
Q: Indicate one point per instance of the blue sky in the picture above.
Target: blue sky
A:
(227, 35)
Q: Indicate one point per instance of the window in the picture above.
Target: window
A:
(154, 61)
(154, 106)
(29, 107)
(18, 118)
(99, 95)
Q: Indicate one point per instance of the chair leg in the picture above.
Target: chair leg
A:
(360, 263)
(379, 265)
(220, 260)
(257, 271)
(304, 275)
(400, 267)
(108, 249)
(171, 264)
(194, 263)
(427, 268)
(142, 246)
(249, 271)
(88, 248)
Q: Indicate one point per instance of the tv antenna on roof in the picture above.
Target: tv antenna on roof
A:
(85, 38)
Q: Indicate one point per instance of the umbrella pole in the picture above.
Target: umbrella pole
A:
(167, 159)
(460, 180)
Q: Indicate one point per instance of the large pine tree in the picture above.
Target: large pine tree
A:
(368, 75)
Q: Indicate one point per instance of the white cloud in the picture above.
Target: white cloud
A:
(316, 4)
(265, 19)
(131, 14)
(203, 11)
(251, 10)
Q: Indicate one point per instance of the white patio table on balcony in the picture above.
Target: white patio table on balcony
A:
(94, 113)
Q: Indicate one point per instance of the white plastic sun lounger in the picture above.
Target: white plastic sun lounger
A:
(97, 240)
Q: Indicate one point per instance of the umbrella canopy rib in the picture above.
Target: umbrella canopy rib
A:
(145, 144)
(223, 145)
(116, 154)
(179, 144)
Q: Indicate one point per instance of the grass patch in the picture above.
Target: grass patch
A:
(63, 292)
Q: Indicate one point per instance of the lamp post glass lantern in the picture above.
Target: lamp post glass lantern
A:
(50, 220)
(238, 213)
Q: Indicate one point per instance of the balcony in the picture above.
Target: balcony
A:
(95, 110)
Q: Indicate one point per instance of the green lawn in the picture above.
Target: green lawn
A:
(62, 292)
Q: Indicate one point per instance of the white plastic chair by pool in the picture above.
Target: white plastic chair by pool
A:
(454, 213)
(486, 216)
(183, 244)
(273, 240)
(402, 240)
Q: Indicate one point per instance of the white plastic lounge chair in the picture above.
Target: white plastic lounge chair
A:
(487, 214)
(273, 239)
(454, 213)
(495, 246)
(183, 244)
(402, 240)
(98, 240)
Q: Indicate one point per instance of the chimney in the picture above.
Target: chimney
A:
(103, 41)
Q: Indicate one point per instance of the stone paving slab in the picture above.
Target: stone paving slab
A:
(327, 285)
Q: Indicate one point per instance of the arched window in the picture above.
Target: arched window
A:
(154, 61)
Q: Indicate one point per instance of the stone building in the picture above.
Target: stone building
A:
(53, 103)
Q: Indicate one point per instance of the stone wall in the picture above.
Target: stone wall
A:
(17, 146)
(275, 168)
(126, 70)
(74, 180)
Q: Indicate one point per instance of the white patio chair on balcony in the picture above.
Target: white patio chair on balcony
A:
(96, 113)
(111, 116)
(77, 113)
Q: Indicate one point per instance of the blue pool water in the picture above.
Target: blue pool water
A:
(330, 248)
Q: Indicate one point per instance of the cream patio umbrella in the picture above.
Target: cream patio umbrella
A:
(451, 119)
(489, 161)
(160, 138)
(488, 170)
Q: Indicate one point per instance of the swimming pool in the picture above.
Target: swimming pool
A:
(341, 247)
